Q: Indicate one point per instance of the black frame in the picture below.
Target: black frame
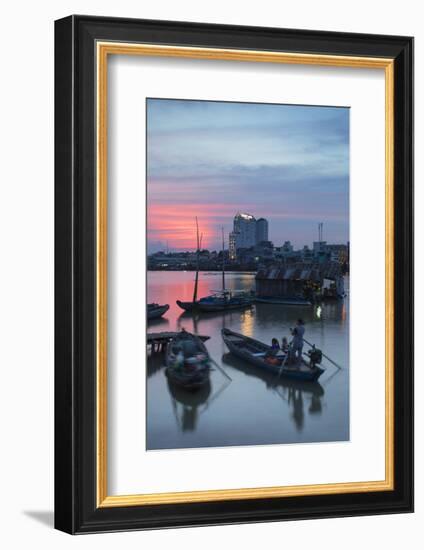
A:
(75, 274)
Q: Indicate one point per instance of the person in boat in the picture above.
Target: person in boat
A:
(297, 343)
(179, 359)
(275, 345)
(270, 355)
(284, 344)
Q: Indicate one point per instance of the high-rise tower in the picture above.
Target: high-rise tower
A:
(261, 230)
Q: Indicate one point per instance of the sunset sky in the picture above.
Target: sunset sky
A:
(289, 164)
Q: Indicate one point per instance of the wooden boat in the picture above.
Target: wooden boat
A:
(187, 306)
(224, 300)
(263, 356)
(154, 311)
(188, 361)
(283, 300)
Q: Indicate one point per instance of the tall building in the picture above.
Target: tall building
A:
(261, 230)
(247, 232)
(232, 251)
(243, 234)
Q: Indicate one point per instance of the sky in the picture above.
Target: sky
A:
(286, 163)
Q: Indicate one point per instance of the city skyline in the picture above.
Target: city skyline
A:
(166, 248)
(287, 164)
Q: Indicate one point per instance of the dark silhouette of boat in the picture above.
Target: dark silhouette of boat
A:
(265, 357)
(188, 361)
(224, 300)
(155, 311)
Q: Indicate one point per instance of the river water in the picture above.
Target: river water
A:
(253, 408)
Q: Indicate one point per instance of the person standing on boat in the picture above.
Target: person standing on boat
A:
(297, 343)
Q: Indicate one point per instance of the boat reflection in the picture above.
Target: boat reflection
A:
(160, 322)
(186, 405)
(294, 392)
(193, 322)
(155, 362)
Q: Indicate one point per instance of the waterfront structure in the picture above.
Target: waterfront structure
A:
(324, 252)
(338, 253)
(301, 279)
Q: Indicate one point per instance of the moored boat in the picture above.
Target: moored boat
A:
(187, 306)
(224, 300)
(264, 357)
(154, 311)
(188, 361)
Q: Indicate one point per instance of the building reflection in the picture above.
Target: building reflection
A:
(247, 322)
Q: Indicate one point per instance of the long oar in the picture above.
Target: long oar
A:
(326, 356)
(222, 370)
(285, 361)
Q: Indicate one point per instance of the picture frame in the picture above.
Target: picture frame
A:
(83, 45)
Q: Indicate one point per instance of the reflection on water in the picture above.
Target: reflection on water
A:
(186, 405)
(292, 391)
(255, 407)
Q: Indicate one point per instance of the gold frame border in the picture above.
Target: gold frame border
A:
(103, 50)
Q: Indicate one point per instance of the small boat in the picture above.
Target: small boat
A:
(187, 361)
(223, 300)
(263, 356)
(283, 300)
(187, 306)
(154, 311)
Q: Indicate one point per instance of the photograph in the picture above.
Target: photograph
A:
(233, 268)
(248, 262)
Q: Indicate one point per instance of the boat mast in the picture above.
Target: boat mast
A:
(196, 280)
(223, 261)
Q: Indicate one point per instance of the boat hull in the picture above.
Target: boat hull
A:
(234, 343)
(184, 368)
(157, 312)
(206, 307)
(188, 382)
(187, 306)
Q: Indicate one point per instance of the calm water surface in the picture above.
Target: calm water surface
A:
(253, 408)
